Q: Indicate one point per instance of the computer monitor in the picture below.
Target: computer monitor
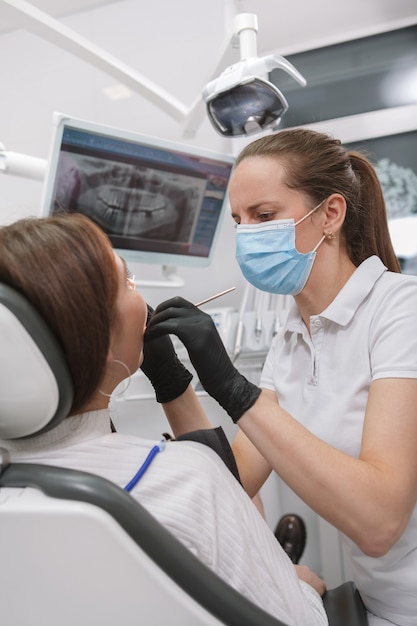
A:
(158, 201)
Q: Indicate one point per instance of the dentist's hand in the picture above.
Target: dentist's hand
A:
(162, 366)
(207, 353)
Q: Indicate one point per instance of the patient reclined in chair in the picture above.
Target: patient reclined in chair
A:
(187, 487)
(191, 492)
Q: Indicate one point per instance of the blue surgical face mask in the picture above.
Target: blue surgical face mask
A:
(268, 258)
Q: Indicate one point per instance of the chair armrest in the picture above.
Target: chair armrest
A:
(344, 606)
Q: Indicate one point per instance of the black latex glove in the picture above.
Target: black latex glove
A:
(162, 366)
(207, 353)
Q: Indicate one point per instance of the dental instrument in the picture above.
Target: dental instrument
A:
(279, 305)
(217, 295)
(259, 298)
(240, 325)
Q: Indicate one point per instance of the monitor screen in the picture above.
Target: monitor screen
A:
(158, 201)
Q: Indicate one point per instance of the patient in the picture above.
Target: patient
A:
(66, 267)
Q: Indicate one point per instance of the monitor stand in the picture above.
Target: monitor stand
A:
(170, 279)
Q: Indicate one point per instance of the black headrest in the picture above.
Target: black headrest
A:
(36, 390)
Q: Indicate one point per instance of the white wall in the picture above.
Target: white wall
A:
(158, 40)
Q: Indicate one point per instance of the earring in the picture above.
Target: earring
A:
(329, 235)
(126, 385)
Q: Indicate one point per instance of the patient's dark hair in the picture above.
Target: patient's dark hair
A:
(65, 266)
(318, 165)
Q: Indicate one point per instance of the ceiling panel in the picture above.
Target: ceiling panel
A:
(55, 8)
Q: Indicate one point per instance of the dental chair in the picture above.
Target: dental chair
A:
(77, 549)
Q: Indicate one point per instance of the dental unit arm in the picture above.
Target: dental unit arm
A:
(21, 164)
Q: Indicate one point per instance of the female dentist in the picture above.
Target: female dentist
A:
(336, 414)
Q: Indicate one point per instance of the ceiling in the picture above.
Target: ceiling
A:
(55, 8)
(286, 26)
(163, 42)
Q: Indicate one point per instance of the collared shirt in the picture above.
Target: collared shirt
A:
(323, 378)
(191, 492)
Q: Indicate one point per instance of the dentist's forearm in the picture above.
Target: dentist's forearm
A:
(364, 497)
(186, 413)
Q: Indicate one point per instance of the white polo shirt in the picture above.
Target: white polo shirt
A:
(368, 332)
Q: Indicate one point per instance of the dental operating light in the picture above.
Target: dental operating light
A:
(241, 101)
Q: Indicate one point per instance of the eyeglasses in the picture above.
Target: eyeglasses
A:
(131, 278)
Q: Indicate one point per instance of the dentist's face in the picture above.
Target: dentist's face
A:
(258, 193)
(130, 321)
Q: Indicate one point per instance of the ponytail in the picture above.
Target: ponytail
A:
(366, 223)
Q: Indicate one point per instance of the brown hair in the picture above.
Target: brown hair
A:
(65, 266)
(318, 165)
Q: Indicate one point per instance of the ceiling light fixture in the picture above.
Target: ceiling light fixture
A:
(241, 101)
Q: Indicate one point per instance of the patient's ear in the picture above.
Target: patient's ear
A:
(109, 357)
